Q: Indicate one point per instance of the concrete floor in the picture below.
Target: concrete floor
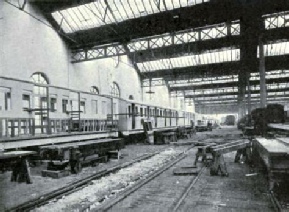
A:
(237, 192)
(211, 193)
(13, 193)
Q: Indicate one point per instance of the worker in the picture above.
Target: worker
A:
(16, 166)
(240, 153)
(21, 171)
(74, 160)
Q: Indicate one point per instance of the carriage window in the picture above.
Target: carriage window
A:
(114, 108)
(136, 110)
(103, 107)
(5, 99)
(94, 106)
(145, 111)
(64, 105)
(129, 111)
(141, 112)
(26, 101)
(82, 106)
(53, 104)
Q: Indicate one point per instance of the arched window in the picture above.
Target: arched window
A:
(39, 78)
(40, 93)
(94, 89)
(130, 97)
(115, 90)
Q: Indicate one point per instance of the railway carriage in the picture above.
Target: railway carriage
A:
(54, 121)
(39, 108)
(133, 114)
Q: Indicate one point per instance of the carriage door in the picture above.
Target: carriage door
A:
(170, 115)
(156, 117)
(133, 116)
(41, 120)
(75, 110)
(40, 99)
(165, 115)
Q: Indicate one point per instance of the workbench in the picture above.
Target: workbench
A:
(275, 155)
(242, 146)
(17, 161)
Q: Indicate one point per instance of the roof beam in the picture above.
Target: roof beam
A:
(227, 84)
(192, 96)
(165, 22)
(175, 50)
(209, 70)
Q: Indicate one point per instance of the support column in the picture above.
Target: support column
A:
(242, 92)
(263, 91)
(249, 107)
(251, 25)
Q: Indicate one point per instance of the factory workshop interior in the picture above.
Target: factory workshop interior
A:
(144, 105)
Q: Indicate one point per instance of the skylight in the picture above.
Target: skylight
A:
(277, 74)
(102, 12)
(191, 60)
(204, 81)
(275, 48)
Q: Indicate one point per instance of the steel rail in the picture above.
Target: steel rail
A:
(113, 201)
(277, 206)
(74, 186)
(189, 188)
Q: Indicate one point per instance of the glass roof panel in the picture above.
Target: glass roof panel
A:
(276, 74)
(203, 81)
(275, 48)
(194, 60)
(97, 13)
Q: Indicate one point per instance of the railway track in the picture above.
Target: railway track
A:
(134, 199)
(275, 202)
(112, 202)
(139, 193)
(62, 193)
(111, 199)
(189, 188)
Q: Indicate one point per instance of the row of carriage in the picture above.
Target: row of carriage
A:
(95, 135)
